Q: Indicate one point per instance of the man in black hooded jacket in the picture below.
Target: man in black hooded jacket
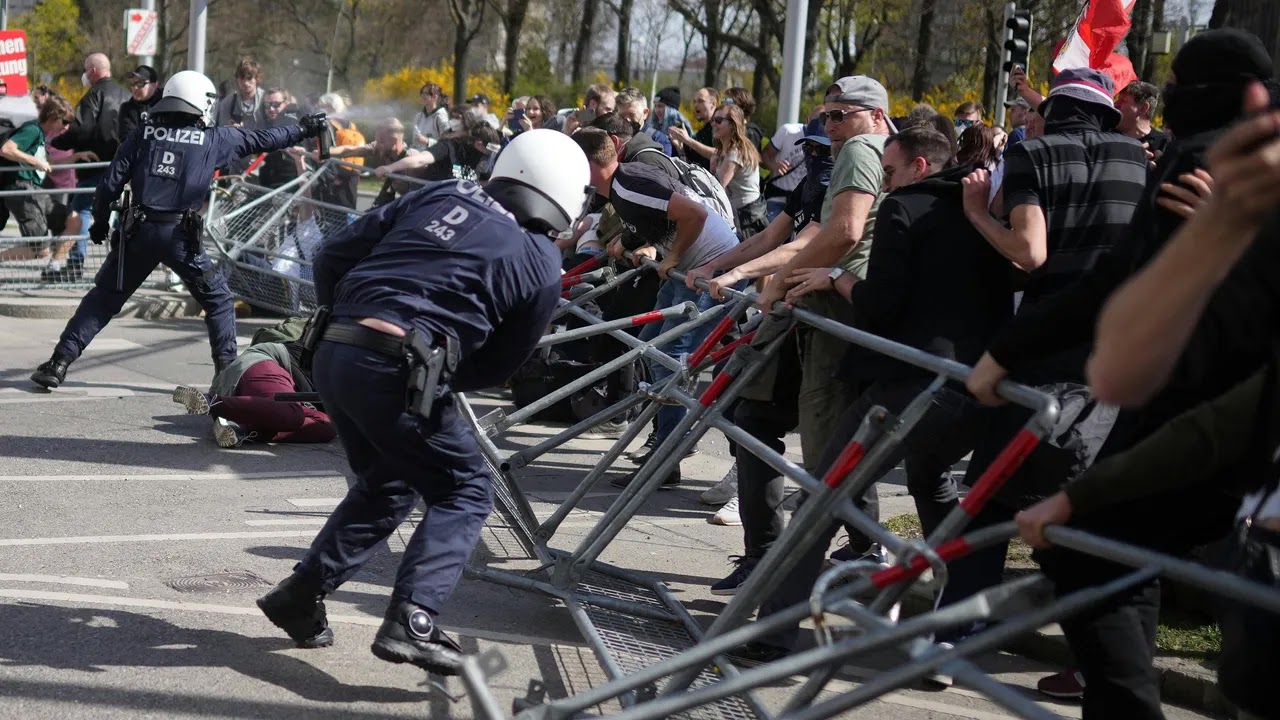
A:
(1114, 643)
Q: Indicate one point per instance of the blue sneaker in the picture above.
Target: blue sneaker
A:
(741, 571)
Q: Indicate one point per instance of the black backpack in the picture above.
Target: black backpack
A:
(701, 181)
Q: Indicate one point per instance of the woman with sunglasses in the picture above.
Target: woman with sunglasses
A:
(737, 167)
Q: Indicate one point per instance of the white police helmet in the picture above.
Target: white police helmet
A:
(544, 179)
(189, 93)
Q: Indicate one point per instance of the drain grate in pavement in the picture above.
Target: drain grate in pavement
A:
(219, 582)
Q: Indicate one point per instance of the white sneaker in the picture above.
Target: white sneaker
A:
(723, 491)
(938, 678)
(727, 515)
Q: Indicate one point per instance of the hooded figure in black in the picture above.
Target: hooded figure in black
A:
(1114, 643)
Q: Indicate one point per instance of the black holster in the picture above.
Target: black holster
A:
(312, 334)
(429, 368)
(192, 226)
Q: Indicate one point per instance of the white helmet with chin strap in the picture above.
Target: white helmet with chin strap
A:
(543, 178)
(189, 93)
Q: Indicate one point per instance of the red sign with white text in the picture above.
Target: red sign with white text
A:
(13, 61)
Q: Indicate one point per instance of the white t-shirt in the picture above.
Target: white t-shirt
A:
(788, 151)
(744, 188)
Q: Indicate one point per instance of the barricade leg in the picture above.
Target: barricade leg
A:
(850, 474)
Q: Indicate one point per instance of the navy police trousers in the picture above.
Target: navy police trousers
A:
(151, 245)
(397, 457)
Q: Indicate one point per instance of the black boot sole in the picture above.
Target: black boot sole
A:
(395, 651)
(322, 639)
(48, 382)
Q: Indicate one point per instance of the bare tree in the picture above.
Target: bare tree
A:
(586, 36)
(512, 13)
(622, 66)
(468, 18)
(924, 44)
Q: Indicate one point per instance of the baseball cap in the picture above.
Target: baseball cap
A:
(859, 90)
(478, 98)
(145, 73)
(1084, 85)
(1020, 102)
(815, 131)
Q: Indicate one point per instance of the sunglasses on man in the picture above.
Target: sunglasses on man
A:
(138, 85)
(838, 116)
(274, 105)
(965, 124)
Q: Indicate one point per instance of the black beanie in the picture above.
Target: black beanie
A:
(1222, 55)
(669, 96)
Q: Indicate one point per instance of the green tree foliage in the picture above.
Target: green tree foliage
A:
(53, 38)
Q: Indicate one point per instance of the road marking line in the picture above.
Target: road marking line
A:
(315, 521)
(65, 580)
(116, 601)
(182, 476)
(314, 502)
(88, 539)
(287, 521)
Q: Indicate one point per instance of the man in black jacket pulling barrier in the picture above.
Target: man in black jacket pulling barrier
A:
(932, 283)
(454, 270)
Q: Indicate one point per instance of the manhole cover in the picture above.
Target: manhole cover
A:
(219, 582)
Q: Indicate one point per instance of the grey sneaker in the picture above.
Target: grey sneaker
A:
(608, 430)
(196, 402)
(229, 435)
(723, 491)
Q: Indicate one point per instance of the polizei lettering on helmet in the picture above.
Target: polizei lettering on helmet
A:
(190, 136)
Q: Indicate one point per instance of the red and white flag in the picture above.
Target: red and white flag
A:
(1093, 41)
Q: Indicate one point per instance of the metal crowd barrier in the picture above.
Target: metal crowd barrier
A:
(690, 674)
(620, 626)
(659, 661)
(264, 238)
(26, 274)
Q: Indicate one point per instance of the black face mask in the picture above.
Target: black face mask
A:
(1191, 109)
(819, 166)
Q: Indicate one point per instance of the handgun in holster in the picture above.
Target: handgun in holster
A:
(429, 367)
(192, 226)
(311, 335)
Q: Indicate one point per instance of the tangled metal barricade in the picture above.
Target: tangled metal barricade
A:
(659, 661)
(264, 239)
(661, 664)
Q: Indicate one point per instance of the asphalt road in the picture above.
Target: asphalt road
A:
(117, 508)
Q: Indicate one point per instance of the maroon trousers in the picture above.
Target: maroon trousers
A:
(253, 407)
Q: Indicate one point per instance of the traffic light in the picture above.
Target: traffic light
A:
(1017, 44)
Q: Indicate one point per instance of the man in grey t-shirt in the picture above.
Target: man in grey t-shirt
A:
(660, 216)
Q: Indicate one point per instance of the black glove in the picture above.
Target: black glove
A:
(98, 232)
(313, 125)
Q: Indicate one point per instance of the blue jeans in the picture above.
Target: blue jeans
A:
(82, 204)
(672, 293)
(773, 207)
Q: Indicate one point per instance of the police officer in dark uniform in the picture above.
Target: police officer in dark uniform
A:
(169, 162)
(454, 275)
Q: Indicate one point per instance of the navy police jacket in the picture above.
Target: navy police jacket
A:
(446, 259)
(169, 166)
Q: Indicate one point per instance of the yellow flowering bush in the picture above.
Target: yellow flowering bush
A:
(403, 85)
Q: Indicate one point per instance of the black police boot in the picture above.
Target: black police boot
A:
(409, 635)
(297, 607)
(51, 373)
